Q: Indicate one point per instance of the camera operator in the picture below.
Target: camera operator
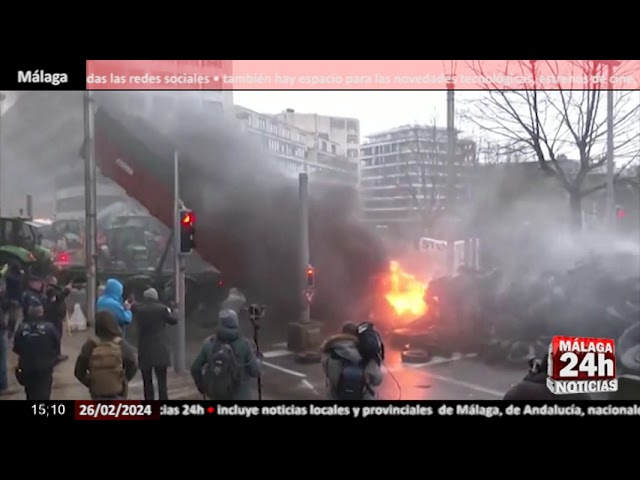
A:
(534, 385)
(351, 361)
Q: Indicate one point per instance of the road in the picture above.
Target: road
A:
(456, 378)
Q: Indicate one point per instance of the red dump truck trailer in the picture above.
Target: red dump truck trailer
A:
(247, 213)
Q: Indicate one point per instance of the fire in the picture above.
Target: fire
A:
(405, 293)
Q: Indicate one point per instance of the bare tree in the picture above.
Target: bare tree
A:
(498, 152)
(420, 174)
(560, 123)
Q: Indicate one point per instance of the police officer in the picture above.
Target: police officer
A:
(36, 344)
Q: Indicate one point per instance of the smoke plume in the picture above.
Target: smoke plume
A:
(248, 216)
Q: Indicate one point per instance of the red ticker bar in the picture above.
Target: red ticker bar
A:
(116, 410)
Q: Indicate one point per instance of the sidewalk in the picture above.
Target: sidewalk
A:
(66, 387)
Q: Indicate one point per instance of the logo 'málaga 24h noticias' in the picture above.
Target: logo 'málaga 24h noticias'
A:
(582, 365)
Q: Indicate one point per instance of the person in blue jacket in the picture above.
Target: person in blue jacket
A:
(111, 301)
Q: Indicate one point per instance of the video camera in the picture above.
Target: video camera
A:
(370, 343)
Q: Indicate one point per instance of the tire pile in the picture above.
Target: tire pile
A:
(515, 320)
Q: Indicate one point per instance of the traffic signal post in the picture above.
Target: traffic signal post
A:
(90, 192)
(179, 363)
(304, 334)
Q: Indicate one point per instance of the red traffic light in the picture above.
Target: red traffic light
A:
(188, 218)
(310, 276)
(621, 213)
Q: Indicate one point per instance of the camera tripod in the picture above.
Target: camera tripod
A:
(256, 328)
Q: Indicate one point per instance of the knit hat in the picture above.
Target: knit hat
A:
(33, 306)
(229, 319)
(350, 328)
(150, 294)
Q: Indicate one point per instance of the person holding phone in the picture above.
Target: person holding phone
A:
(112, 301)
(55, 310)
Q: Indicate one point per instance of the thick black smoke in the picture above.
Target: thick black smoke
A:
(248, 212)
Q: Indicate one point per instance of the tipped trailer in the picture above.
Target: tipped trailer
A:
(247, 212)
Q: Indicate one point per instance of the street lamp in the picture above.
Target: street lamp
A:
(610, 198)
(2, 97)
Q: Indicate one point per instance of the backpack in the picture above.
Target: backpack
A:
(352, 382)
(37, 353)
(221, 372)
(106, 369)
(370, 343)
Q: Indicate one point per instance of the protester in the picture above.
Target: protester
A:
(14, 290)
(534, 385)
(36, 344)
(227, 363)
(106, 364)
(112, 301)
(55, 311)
(154, 353)
(34, 289)
(350, 375)
(4, 351)
(4, 378)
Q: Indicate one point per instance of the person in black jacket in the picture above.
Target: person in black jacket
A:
(154, 353)
(14, 291)
(55, 311)
(36, 344)
(34, 288)
(534, 385)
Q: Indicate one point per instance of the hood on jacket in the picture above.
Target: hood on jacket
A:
(114, 289)
(229, 326)
(344, 345)
(106, 326)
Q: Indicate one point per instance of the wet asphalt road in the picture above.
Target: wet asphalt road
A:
(456, 378)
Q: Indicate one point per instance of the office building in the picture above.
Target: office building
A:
(344, 132)
(403, 175)
(298, 150)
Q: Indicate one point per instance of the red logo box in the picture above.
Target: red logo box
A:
(582, 365)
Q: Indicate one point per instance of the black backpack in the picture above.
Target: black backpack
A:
(370, 343)
(221, 372)
(352, 382)
(36, 346)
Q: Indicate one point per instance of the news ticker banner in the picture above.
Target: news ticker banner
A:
(219, 411)
(323, 75)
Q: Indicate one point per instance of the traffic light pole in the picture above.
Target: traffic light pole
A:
(305, 315)
(179, 363)
(90, 184)
(451, 172)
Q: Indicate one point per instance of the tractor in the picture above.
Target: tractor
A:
(21, 244)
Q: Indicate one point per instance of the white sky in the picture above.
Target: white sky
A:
(377, 110)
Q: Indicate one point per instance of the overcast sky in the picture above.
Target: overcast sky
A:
(377, 111)
(381, 110)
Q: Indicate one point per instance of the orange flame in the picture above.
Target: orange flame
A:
(405, 293)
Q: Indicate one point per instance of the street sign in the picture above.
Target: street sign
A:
(426, 243)
(309, 295)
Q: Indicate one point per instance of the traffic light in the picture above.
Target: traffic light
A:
(620, 213)
(187, 231)
(311, 273)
